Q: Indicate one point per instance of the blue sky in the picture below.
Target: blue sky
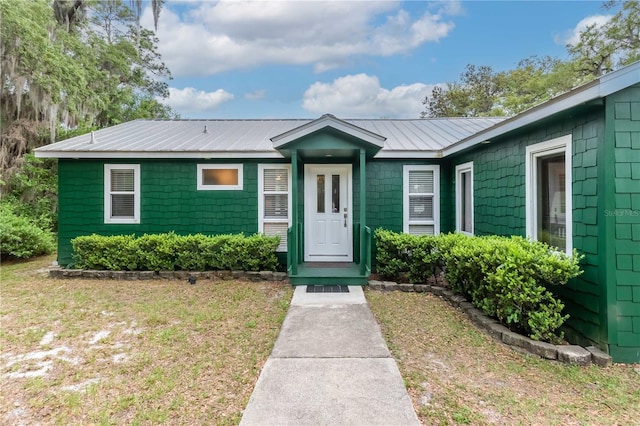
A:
(354, 59)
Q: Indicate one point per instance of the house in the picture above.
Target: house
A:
(566, 172)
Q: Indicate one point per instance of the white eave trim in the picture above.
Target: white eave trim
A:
(596, 89)
(162, 154)
(408, 154)
(331, 122)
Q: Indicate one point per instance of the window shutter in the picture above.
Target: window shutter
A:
(421, 208)
(122, 180)
(276, 206)
(122, 205)
(421, 230)
(421, 182)
(276, 180)
(280, 229)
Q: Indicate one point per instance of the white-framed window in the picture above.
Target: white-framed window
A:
(464, 198)
(274, 201)
(548, 193)
(121, 193)
(421, 204)
(220, 177)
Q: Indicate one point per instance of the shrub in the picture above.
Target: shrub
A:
(405, 257)
(168, 252)
(114, 253)
(507, 277)
(20, 238)
(32, 191)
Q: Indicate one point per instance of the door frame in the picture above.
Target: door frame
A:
(309, 190)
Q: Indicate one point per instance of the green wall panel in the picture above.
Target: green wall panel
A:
(623, 215)
(500, 206)
(169, 202)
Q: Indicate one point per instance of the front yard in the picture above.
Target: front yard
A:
(456, 374)
(148, 352)
(122, 352)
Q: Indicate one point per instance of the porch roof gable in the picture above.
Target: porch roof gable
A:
(350, 138)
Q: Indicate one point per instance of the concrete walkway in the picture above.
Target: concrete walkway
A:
(329, 366)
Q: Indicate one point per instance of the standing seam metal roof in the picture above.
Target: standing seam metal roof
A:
(187, 136)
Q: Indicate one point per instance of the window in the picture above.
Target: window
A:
(464, 198)
(548, 193)
(421, 200)
(220, 177)
(121, 193)
(274, 199)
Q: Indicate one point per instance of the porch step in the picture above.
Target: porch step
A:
(298, 280)
(329, 274)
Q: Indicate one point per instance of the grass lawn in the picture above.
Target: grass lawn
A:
(149, 352)
(456, 374)
(131, 352)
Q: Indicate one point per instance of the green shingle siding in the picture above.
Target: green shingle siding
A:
(169, 202)
(499, 205)
(624, 215)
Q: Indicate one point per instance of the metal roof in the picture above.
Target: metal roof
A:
(411, 138)
(252, 138)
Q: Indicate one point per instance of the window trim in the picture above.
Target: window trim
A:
(460, 169)
(558, 145)
(436, 197)
(261, 194)
(203, 187)
(107, 194)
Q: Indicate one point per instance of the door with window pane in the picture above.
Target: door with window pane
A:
(328, 227)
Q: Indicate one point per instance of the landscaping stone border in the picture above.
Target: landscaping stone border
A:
(570, 354)
(168, 275)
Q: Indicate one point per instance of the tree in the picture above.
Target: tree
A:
(476, 95)
(482, 92)
(73, 63)
(601, 49)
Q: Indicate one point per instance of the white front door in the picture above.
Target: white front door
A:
(327, 208)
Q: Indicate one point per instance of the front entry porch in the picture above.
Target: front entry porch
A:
(329, 273)
(328, 242)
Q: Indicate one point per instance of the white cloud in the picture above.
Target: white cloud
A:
(214, 37)
(189, 100)
(361, 96)
(573, 36)
(255, 95)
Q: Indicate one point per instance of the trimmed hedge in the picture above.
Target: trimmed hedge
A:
(170, 252)
(507, 277)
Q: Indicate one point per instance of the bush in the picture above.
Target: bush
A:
(20, 238)
(403, 257)
(168, 252)
(32, 191)
(507, 277)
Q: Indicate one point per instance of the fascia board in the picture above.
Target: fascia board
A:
(408, 154)
(161, 155)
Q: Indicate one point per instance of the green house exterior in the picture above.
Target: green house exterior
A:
(567, 170)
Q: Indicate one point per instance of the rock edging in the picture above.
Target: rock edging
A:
(570, 354)
(168, 275)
